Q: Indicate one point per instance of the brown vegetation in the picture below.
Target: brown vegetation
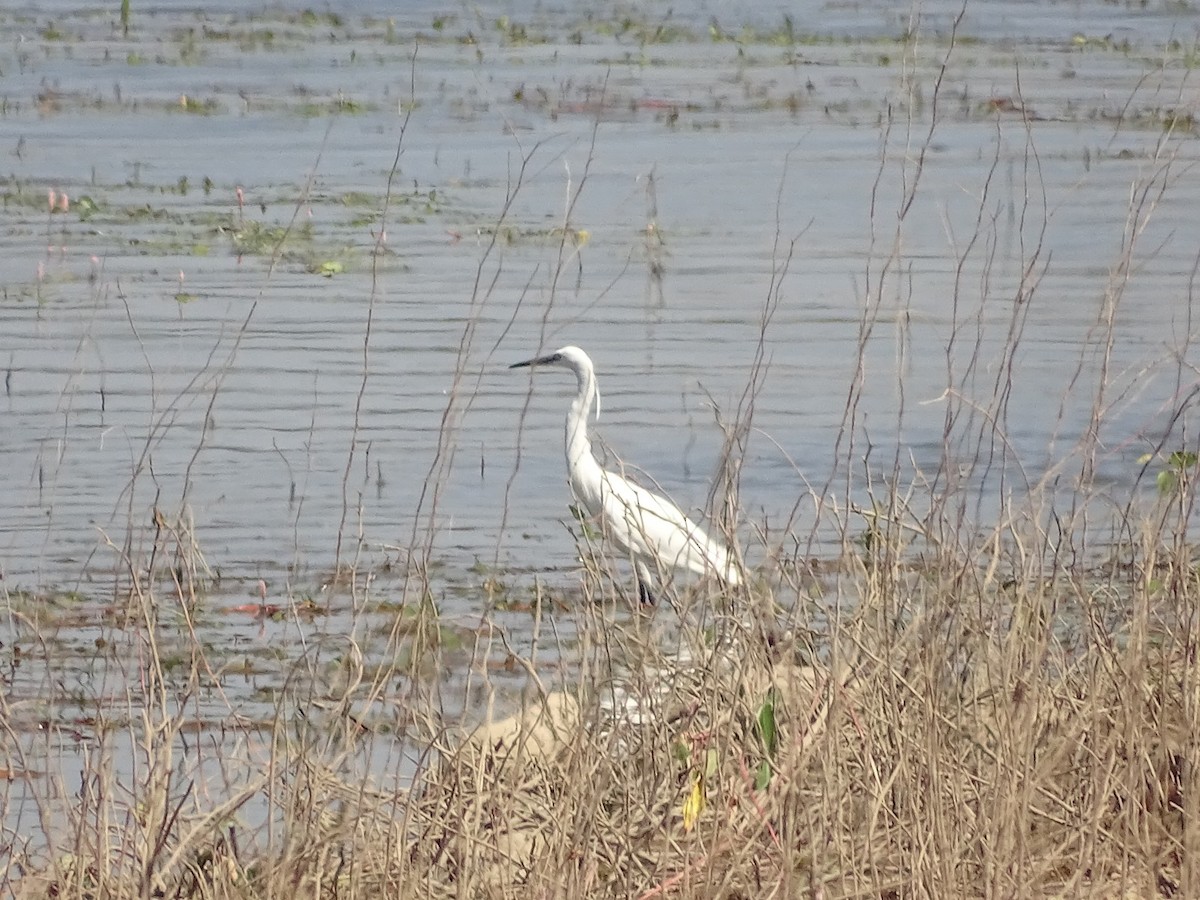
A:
(958, 732)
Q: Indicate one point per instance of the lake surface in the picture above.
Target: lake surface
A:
(300, 250)
(150, 363)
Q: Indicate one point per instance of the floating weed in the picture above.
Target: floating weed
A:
(451, 638)
(310, 19)
(407, 208)
(253, 238)
(418, 657)
(327, 269)
(514, 234)
(389, 607)
(190, 53)
(1179, 121)
(313, 109)
(207, 107)
(516, 34)
(1188, 55)
(370, 208)
(248, 40)
(427, 202)
(181, 245)
(350, 105)
(1105, 43)
(493, 586)
(505, 600)
(146, 213)
(172, 661)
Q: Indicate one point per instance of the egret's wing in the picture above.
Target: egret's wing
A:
(656, 530)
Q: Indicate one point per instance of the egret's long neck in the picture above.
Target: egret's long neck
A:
(578, 446)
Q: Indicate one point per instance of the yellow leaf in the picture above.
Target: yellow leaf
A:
(694, 804)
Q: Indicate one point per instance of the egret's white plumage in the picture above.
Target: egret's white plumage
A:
(650, 529)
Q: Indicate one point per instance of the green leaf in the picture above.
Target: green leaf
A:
(1166, 481)
(1182, 459)
(763, 776)
(766, 723)
(86, 207)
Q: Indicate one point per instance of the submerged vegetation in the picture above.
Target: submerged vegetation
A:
(972, 676)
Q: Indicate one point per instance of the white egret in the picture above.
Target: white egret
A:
(651, 530)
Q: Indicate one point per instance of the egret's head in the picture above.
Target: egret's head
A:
(572, 359)
(564, 358)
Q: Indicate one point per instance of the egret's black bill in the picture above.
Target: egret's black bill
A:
(539, 361)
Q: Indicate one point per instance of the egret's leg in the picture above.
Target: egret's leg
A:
(645, 595)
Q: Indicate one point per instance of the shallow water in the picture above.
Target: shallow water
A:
(155, 357)
(706, 141)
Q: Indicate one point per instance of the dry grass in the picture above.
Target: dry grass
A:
(965, 736)
(982, 731)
